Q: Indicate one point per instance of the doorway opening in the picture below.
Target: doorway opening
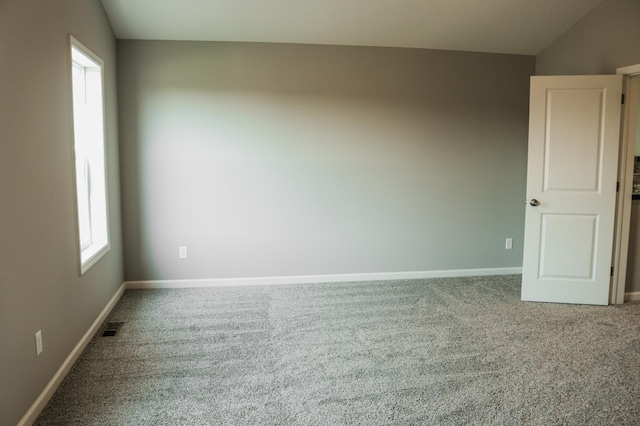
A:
(625, 284)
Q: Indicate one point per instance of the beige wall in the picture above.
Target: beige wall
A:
(279, 160)
(40, 288)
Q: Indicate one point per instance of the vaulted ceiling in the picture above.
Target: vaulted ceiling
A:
(500, 26)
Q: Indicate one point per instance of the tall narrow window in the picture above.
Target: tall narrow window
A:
(90, 170)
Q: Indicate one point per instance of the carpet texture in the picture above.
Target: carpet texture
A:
(417, 352)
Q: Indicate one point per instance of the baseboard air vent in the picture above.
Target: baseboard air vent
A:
(111, 329)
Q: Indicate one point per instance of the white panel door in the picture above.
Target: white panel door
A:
(574, 130)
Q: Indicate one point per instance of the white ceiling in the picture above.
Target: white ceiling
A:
(501, 26)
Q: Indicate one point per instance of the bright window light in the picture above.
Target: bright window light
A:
(90, 169)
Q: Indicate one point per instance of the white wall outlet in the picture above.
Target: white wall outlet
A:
(38, 342)
(182, 252)
(508, 244)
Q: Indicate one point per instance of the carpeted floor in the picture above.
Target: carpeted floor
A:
(417, 352)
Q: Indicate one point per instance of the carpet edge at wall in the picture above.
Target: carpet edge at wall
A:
(38, 405)
(314, 279)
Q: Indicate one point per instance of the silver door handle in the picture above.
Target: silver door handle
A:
(534, 202)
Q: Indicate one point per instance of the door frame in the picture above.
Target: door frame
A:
(628, 128)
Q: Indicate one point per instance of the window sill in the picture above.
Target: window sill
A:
(92, 255)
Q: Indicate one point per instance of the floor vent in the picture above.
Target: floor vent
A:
(111, 329)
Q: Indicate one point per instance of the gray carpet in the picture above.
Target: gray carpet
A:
(417, 352)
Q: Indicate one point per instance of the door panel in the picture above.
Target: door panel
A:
(568, 246)
(573, 139)
(574, 127)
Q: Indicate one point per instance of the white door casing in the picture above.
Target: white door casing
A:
(631, 88)
(574, 130)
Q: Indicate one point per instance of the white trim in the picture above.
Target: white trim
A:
(93, 258)
(314, 279)
(625, 177)
(628, 297)
(44, 397)
(630, 70)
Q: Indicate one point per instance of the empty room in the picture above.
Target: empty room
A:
(319, 213)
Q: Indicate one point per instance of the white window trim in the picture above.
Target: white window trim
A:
(96, 253)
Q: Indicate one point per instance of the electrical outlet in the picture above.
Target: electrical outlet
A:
(508, 244)
(182, 252)
(38, 342)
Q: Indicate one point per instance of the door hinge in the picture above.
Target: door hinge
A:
(623, 99)
(617, 186)
(612, 271)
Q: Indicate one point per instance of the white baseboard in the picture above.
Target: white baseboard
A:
(628, 297)
(313, 279)
(44, 397)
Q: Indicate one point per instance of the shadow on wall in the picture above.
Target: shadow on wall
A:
(276, 160)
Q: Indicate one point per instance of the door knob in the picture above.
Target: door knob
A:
(534, 202)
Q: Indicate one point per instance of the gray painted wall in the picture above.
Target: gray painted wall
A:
(633, 265)
(40, 288)
(279, 160)
(606, 39)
